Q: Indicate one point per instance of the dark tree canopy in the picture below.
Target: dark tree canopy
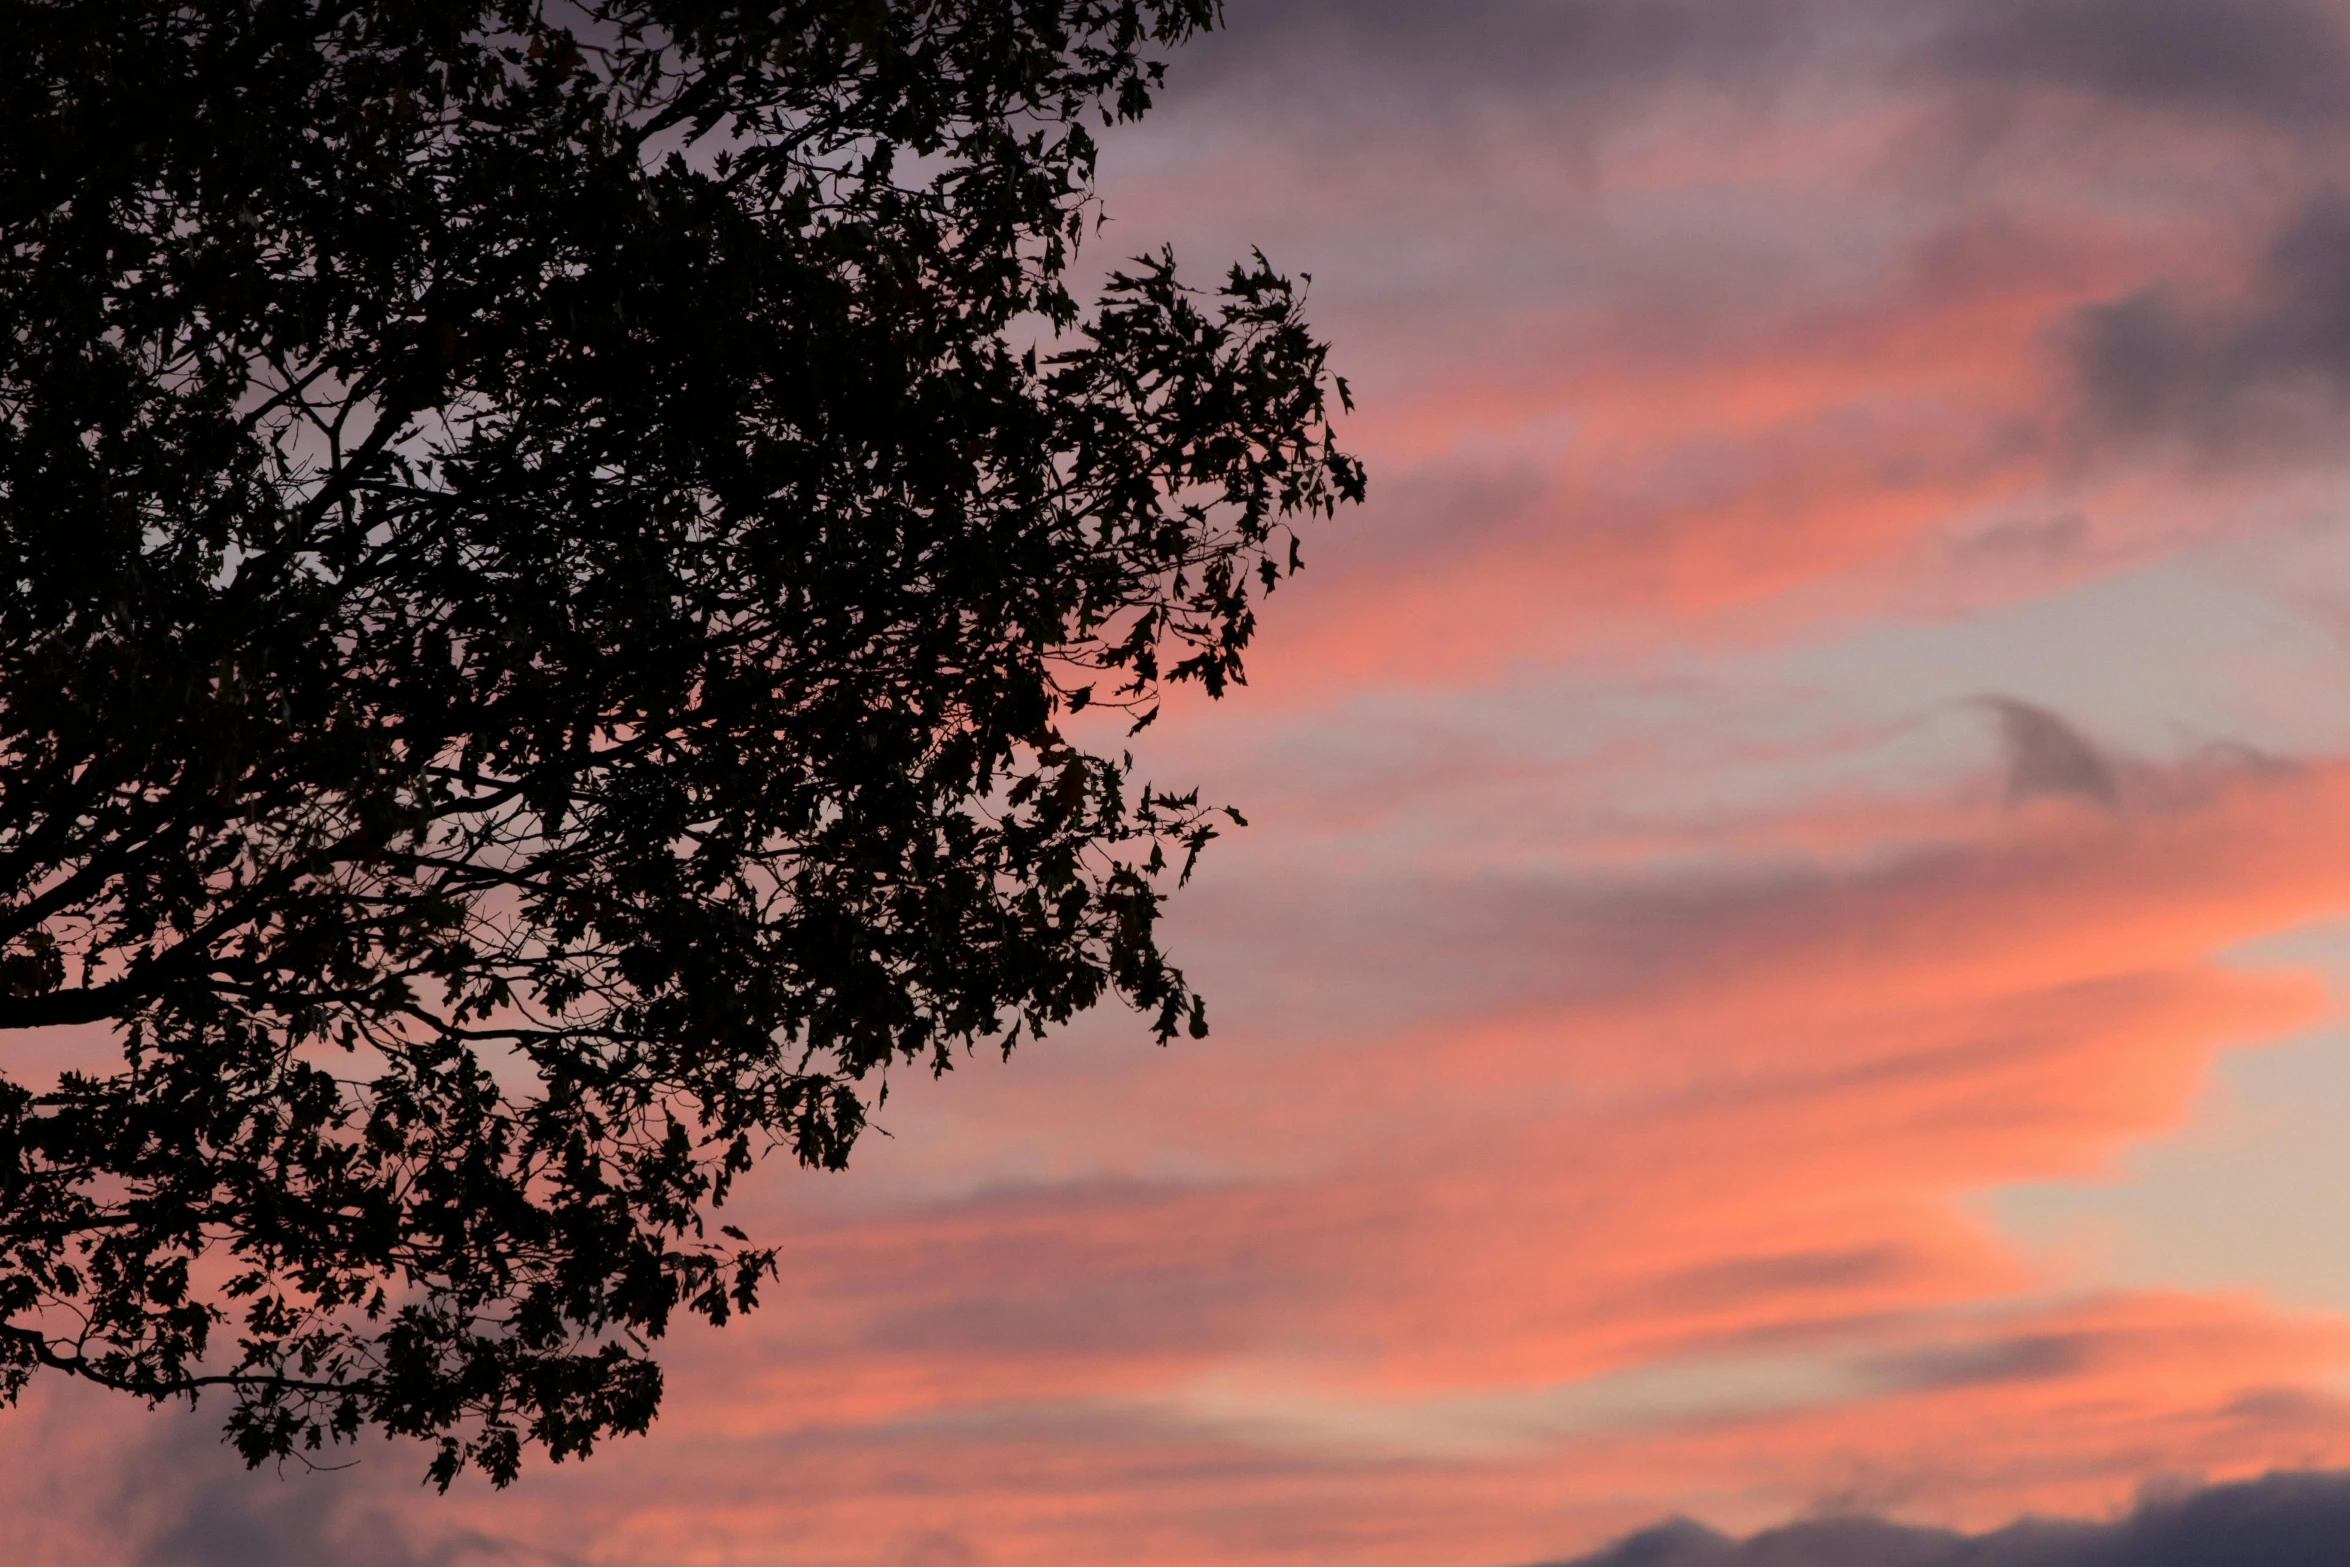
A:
(547, 558)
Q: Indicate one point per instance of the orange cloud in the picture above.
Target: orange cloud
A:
(1685, 1232)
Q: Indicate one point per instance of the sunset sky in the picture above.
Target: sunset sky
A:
(1792, 949)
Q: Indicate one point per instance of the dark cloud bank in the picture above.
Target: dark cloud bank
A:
(2283, 62)
(2234, 371)
(2047, 756)
(2280, 61)
(184, 1499)
(1511, 47)
(2285, 1520)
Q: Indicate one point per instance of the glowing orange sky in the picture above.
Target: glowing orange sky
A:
(1831, 736)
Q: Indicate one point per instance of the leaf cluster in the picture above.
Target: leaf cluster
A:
(549, 556)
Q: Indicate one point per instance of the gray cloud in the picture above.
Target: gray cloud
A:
(187, 1501)
(1327, 48)
(1834, 1542)
(251, 1521)
(2048, 757)
(1747, 1277)
(2277, 60)
(2030, 1357)
(2025, 538)
(2242, 374)
(933, 1549)
(2285, 1520)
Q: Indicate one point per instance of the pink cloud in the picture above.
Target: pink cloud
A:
(1688, 1232)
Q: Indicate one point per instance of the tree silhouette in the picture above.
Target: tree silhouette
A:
(550, 552)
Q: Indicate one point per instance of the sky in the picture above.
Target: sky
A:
(1789, 967)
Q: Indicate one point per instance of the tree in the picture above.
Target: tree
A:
(552, 558)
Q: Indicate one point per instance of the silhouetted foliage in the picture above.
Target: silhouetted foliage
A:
(549, 555)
